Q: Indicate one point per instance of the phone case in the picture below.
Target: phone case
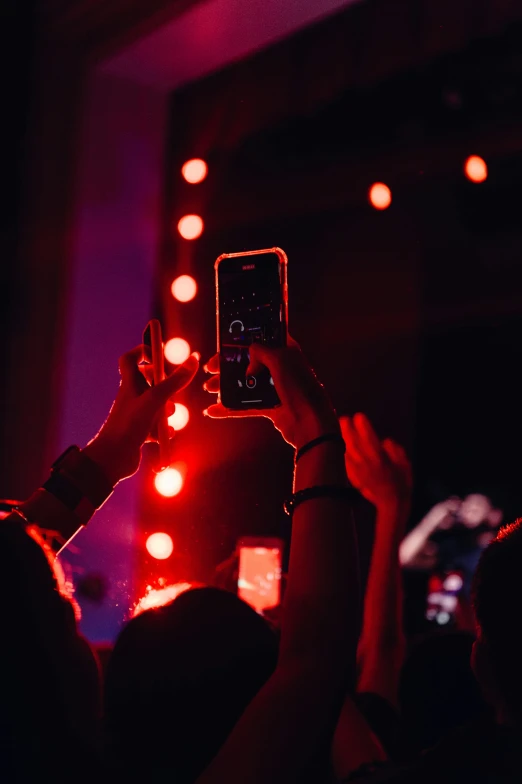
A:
(158, 369)
(283, 260)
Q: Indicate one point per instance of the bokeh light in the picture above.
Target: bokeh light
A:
(380, 196)
(184, 288)
(475, 168)
(160, 546)
(195, 170)
(169, 482)
(180, 417)
(159, 597)
(177, 350)
(190, 227)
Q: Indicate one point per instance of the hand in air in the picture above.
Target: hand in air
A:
(133, 416)
(381, 471)
(305, 411)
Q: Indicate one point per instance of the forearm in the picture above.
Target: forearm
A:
(413, 542)
(67, 507)
(354, 743)
(381, 648)
(321, 611)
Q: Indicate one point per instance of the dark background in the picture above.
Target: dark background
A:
(412, 315)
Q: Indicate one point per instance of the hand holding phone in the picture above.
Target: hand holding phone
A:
(252, 305)
(117, 446)
(153, 340)
(305, 411)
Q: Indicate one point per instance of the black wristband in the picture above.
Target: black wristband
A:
(334, 437)
(347, 493)
(85, 474)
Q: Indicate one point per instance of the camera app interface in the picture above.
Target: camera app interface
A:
(250, 311)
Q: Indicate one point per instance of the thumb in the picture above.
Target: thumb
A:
(260, 356)
(177, 380)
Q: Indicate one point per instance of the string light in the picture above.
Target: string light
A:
(380, 196)
(176, 350)
(169, 482)
(475, 169)
(194, 171)
(190, 227)
(184, 288)
(180, 417)
(160, 546)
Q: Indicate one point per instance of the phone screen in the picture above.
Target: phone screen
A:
(259, 582)
(251, 310)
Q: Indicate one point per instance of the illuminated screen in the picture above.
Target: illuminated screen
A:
(259, 582)
(250, 311)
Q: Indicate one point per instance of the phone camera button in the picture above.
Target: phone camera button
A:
(251, 382)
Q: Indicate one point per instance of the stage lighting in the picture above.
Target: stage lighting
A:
(475, 168)
(160, 546)
(194, 171)
(190, 227)
(180, 417)
(169, 482)
(159, 597)
(184, 288)
(177, 351)
(380, 196)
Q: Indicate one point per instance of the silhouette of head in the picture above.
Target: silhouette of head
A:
(179, 678)
(496, 601)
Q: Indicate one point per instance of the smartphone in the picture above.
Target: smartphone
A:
(252, 307)
(152, 338)
(259, 578)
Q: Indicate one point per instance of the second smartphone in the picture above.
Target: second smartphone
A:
(252, 307)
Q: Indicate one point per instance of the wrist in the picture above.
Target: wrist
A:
(312, 425)
(395, 504)
(105, 452)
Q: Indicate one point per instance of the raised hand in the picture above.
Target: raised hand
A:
(131, 420)
(381, 471)
(305, 411)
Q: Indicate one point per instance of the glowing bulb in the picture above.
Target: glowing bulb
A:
(180, 417)
(160, 546)
(168, 483)
(475, 169)
(184, 288)
(195, 170)
(177, 351)
(380, 196)
(190, 227)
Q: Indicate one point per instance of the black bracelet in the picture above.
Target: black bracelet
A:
(334, 437)
(347, 493)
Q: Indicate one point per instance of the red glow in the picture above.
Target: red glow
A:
(380, 196)
(195, 170)
(475, 169)
(180, 417)
(159, 597)
(160, 546)
(169, 482)
(191, 227)
(177, 351)
(184, 288)
(259, 582)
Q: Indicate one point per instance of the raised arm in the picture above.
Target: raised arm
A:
(291, 721)
(48, 705)
(414, 550)
(83, 479)
(382, 473)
